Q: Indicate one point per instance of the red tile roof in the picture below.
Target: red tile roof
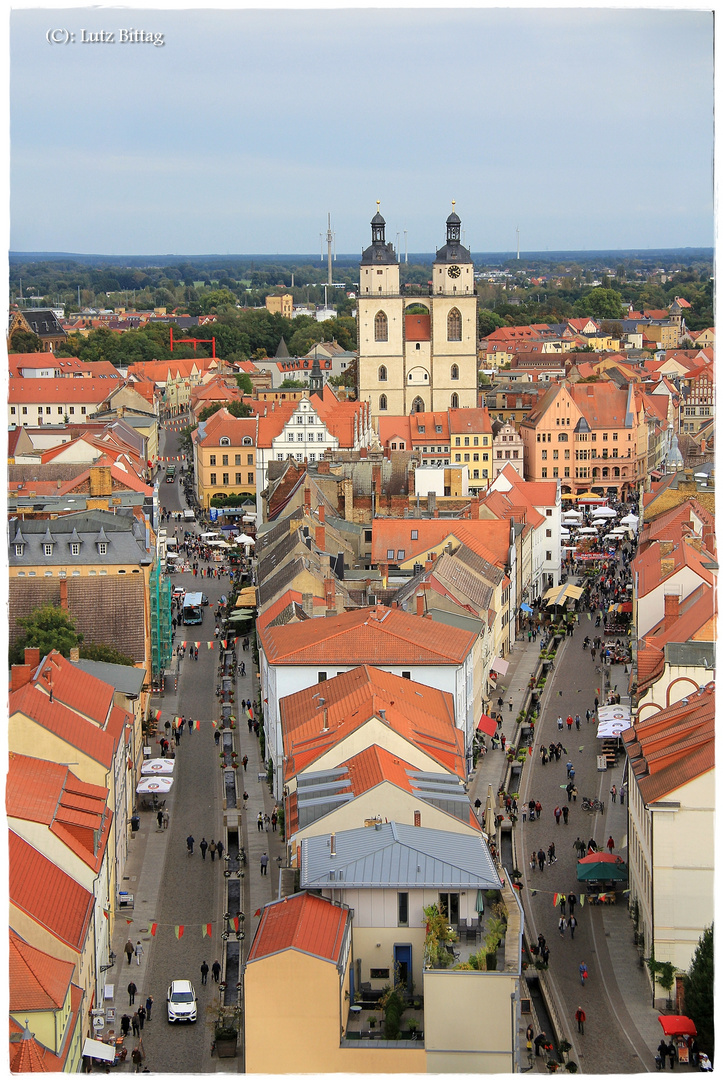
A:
(674, 746)
(304, 922)
(489, 539)
(98, 743)
(38, 981)
(52, 795)
(653, 567)
(422, 715)
(377, 635)
(59, 391)
(48, 895)
(87, 695)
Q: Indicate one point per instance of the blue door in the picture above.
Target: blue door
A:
(403, 965)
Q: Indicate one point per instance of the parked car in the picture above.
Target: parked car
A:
(181, 1000)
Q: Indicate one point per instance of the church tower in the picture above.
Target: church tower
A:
(417, 354)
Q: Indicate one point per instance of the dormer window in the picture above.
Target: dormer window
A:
(47, 549)
(75, 549)
(19, 548)
(225, 441)
(246, 441)
(102, 548)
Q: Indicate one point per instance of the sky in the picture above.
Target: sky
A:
(584, 128)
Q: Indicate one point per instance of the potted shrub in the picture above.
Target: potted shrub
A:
(571, 1066)
(564, 1047)
(412, 1026)
(225, 1035)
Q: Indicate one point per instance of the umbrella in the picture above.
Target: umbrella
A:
(572, 515)
(603, 868)
(487, 724)
(604, 511)
(612, 729)
(158, 765)
(154, 785)
(613, 712)
(172, 555)
(242, 538)
(629, 519)
(208, 535)
(678, 1025)
(98, 1049)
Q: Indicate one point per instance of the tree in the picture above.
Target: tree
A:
(489, 321)
(23, 341)
(698, 990)
(293, 384)
(105, 654)
(46, 628)
(600, 304)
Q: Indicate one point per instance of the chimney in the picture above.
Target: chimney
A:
(74, 655)
(474, 508)
(418, 819)
(321, 510)
(64, 594)
(420, 604)
(20, 674)
(32, 657)
(383, 715)
(330, 591)
(377, 480)
(672, 609)
(307, 500)
(321, 537)
(384, 574)
(709, 538)
(332, 840)
(307, 603)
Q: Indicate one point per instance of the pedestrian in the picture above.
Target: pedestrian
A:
(565, 813)
(260, 822)
(559, 723)
(125, 1024)
(204, 973)
(662, 1052)
(571, 901)
(577, 721)
(159, 818)
(212, 847)
(215, 970)
(568, 789)
(245, 761)
(141, 1016)
(583, 973)
(623, 793)
(267, 821)
(538, 809)
(137, 1058)
(129, 949)
(572, 777)
(189, 843)
(245, 797)
(569, 723)
(568, 766)
(562, 925)
(131, 992)
(149, 1007)
(572, 923)
(166, 819)
(541, 859)
(204, 847)
(219, 850)
(540, 1041)
(580, 1017)
(135, 1025)
(532, 809)
(139, 953)
(243, 668)
(533, 861)
(672, 1053)
(610, 844)
(562, 902)
(614, 793)
(558, 814)
(551, 856)
(274, 820)
(588, 714)
(264, 864)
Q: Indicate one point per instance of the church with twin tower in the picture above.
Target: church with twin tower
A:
(417, 354)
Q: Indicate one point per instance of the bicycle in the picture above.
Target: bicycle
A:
(593, 804)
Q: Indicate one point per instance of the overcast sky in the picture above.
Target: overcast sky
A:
(586, 128)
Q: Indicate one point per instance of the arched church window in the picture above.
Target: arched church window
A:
(454, 373)
(382, 403)
(454, 401)
(454, 325)
(382, 373)
(381, 327)
(417, 405)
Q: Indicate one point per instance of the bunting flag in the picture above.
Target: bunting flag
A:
(197, 724)
(105, 914)
(128, 922)
(555, 899)
(235, 922)
(225, 643)
(179, 931)
(581, 900)
(158, 714)
(206, 929)
(154, 927)
(589, 617)
(213, 723)
(197, 644)
(210, 644)
(257, 913)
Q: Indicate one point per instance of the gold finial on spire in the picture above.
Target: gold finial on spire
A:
(454, 203)
(378, 205)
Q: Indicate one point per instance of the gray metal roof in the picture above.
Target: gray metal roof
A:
(124, 535)
(691, 654)
(397, 856)
(126, 680)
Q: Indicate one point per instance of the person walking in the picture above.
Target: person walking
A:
(125, 1024)
(204, 973)
(189, 843)
(577, 721)
(159, 818)
(135, 1025)
(245, 761)
(274, 819)
(583, 973)
(260, 822)
(137, 1058)
(610, 844)
(672, 1053)
(215, 970)
(132, 988)
(139, 953)
(580, 1017)
(572, 923)
(571, 901)
(562, 925)
(204, 847)
(551, 856)
(565, 813)
(219, 850)
(558, 814)
(614, 793)
(212, 850)
(563, 903)
(541, 860)
(264, 864)
(129, 949)
(560, 723)
(141, 1016)
(166, 819)
(149, 1008)
(540, 1041)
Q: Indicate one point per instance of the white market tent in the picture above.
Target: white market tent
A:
(604, 511)
(242, 538)
(162, 766)
(572, 515)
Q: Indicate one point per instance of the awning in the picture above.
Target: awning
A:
(678, 1025)
(527, 608)
(500, 665)
(95, 1048)
(560, 593)
(656, 475)
(603, 868)
(487, 724)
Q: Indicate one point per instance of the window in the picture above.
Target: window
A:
(25, 410)
(238, 478)
(544, 455)
(449, 906)
(212, 459)
(466, 457)
(415, 534)
(237, 459)
(548, 533)
(47, 549)
(82, 410)
(12, 410)
(382, 403)
(102, 548)
(406, 674)
(454, 325)
(299, 419)
(548, 556)
(19, 549)
(379, 973)
(224, 441)
(381, 327)
(562, 437)
(213, 477)
(457, 457)
(249, 459)
(605, 436)
(321, 676)
(224, 459)
(382, 376)
(75, 549)
(544, 474)
(454, 373)
(225, 479)
(400, 553)
(454, 401)
(615, 436)
(403, 907)
(555, 455)
(390, 554)
(247, 441)
(47, 410)
(249, 478)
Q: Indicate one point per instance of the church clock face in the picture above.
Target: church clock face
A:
(454, 271)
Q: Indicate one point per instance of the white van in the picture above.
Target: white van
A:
(188, 515)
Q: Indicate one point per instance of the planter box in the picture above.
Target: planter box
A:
(226, 1048)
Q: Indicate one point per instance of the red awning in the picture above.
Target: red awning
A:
(678, 1025)
(487, 724)
(626, 606)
